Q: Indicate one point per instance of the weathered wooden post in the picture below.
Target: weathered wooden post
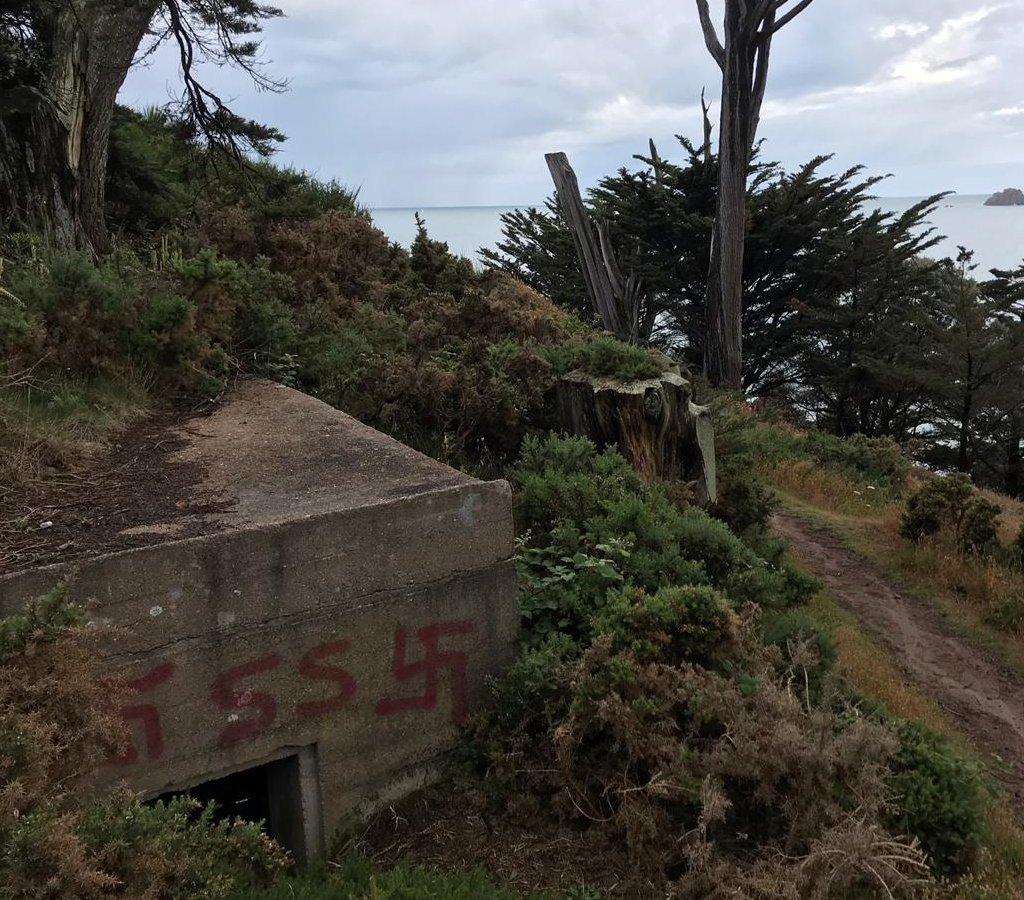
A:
(617, 300)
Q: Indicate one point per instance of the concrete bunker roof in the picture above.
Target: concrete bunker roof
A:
(273, 454)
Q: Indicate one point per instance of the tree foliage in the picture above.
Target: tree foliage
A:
(844, 319)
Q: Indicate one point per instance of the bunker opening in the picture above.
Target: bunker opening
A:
(282, 795)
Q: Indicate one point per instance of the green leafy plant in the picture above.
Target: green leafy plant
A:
(950, 503)
(938, 797)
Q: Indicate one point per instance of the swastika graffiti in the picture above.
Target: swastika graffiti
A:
(253, 707)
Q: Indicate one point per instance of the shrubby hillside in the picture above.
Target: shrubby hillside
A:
(676, 722)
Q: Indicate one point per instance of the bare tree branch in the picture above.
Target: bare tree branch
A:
(792, 14)
(705, 110)
(714, 45)
(764, 49)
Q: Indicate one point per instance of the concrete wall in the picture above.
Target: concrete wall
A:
(362, 633)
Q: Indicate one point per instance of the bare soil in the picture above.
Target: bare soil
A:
(981, 699)
(107, 505)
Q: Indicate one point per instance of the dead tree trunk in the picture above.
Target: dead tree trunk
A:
(654, 423)
(749, 27)
(618, 301)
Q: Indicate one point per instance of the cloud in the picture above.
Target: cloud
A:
(951, 54)
(902, 29)
(455, 101)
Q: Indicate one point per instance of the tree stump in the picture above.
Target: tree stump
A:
(654, 423)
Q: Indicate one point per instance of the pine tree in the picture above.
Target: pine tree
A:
(978, 342)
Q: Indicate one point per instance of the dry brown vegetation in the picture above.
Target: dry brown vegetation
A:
(56, 725)
(49, 427)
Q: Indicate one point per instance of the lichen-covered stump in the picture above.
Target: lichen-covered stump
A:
(654, 423)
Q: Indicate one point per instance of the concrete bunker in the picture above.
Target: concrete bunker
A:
(319, 637)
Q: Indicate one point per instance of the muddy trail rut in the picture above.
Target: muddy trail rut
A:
(980, 698)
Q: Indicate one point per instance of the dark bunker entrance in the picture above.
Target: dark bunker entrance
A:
(281, 794)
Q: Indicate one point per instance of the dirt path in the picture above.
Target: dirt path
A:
(981, 699)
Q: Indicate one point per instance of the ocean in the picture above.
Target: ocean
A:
(994, 233)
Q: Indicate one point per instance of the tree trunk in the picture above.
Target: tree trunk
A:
(723, 352)
(654, 423)
(54, 136)
(41, 141)
(617, 300)
(964, 445)
(1014, 478)
(115, 37)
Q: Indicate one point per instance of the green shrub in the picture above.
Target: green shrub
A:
(807, 646)
(529, 698)
(745, 502)
(179, 848)
(564, 487)
(677, 624)
(610, 358)
(44, 621)
(880, 461)
(1008, 615)
(82, 313)
(951, 504)
(565, 583)
(56, 725)
(566, 479)
(979, 525)
(934, 504)
(938, 797)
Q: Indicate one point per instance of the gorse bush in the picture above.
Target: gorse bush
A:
(569, 497)
(160, 180)
(937, 798)
(416, 343)
(610, 358)
(1008, 614)
(880, 461)
(950, 504)
(55, 726)
(745, 501)
(674, 696)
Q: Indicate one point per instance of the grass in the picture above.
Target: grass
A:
(965, 590)
(870, 671)
(356, 879)
(55, 425)
(826, 490)
(982, 599)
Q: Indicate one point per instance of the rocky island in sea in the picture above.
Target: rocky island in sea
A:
(1009, 197)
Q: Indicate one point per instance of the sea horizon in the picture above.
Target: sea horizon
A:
(995, 234)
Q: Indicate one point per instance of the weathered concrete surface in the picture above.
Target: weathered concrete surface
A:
(352, 597)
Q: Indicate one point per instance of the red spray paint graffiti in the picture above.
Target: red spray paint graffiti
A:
(254, 710)
(434, 661)
(147, 714)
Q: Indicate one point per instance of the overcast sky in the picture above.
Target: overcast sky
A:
(454, 102)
